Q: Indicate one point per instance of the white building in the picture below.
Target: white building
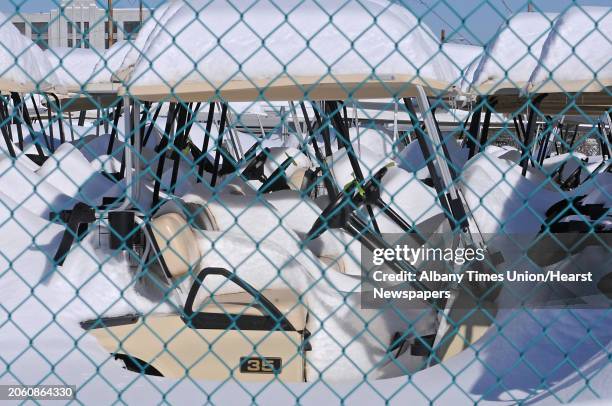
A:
(78, 24)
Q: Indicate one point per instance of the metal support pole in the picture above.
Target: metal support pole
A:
(17, 108)
(7, 139)
(137, 145)
(474, 131)
(344, 137)
(203, 157)
(213, 180)
(128, 155)
(529, 133)
(486, 125)
(162, 150)
(324, 128)
(326, 173)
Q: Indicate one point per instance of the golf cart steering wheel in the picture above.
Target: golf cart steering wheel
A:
(339, 211)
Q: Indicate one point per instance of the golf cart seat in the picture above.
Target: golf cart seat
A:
(176, 243)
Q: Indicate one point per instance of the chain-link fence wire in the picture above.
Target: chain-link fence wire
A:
(188, 203)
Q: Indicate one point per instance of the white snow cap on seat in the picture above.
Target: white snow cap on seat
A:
(576, 55)
(23, 65)
(513, 55)
(261, 40)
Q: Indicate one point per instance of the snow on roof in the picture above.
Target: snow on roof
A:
(74, 66)
(150, 29)
(80, 68)
(513, 55)
(108, 66)
(23, 66)
(211, 44)
(462, 57)
(576, 55)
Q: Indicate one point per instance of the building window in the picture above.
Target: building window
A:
(85, 34)
(130, 28)
(40, 34)
(82, 31)
(20, 27)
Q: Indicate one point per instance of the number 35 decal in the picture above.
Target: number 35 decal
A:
(263, 365)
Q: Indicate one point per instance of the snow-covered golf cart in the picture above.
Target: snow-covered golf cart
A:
(260, 324)
(249, 334)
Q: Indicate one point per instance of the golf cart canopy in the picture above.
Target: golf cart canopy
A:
(289, 88)
(208, 50)
(573, 73)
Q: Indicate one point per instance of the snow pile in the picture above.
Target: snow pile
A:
(74, 66)
(66, 176)
(22, 63)
(462, 57)
(107, 68)
(78, 68)
(152, 28)
(548, 52)
(510, 59)
(576, 55)
(411, 158)
(304, 45)
(544, 356)
(371, 140)
(501, 199)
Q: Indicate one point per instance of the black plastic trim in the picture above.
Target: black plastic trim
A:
(273, 320)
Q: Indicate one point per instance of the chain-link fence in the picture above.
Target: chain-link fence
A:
(304, 201)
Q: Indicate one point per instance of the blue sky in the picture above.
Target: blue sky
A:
(481, 17)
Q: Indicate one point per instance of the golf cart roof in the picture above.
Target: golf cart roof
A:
(463, 57)
(592, 103)
(574, 68)
(74, 67)
(92, 99)
(337, 87)
(289, 52)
